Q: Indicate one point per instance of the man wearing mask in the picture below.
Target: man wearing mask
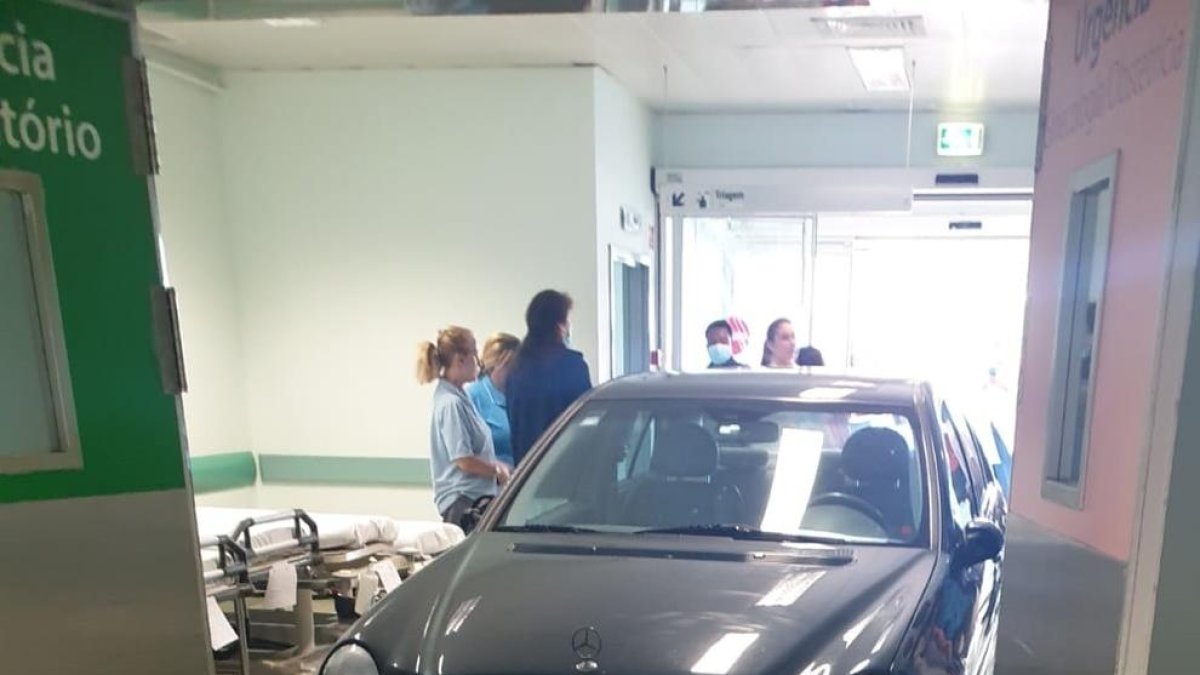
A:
(720, 345)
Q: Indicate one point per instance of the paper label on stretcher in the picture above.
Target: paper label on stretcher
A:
(220, 632)
(368, 583)
(281, 587)
(389, 578)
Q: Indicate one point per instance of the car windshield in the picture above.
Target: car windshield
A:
(770, 469)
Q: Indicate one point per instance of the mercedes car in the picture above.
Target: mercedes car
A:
(718, 523)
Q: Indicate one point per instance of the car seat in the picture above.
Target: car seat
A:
(876, 462)
(679, 490)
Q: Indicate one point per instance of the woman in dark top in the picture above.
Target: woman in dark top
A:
(549, 375)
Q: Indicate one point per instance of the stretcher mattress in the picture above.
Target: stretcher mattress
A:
(334, 531)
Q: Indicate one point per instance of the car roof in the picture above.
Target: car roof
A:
(795, 385)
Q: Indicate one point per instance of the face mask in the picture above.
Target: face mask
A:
(567, 338)
(719, 353)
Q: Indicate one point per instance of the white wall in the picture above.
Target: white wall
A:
(624, 142)
(196, 237)
(370, 209)
(834, 139)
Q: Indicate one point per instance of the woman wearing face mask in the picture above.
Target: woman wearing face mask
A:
(780, 347)
(549, 376)
(488, 392)
(462, 458)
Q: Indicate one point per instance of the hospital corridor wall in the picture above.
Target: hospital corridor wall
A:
(357, 213)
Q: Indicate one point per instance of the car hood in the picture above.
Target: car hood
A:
(562, 603)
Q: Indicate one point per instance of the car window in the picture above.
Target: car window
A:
(843, 472)
(973, 456)
(962, 493)
(985, 452)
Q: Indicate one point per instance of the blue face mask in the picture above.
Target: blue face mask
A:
(719, 353)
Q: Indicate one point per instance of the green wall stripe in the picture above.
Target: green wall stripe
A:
(327, 470)
(226, 471)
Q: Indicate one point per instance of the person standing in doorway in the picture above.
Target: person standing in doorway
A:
(720, 345)
(462, 457)
(499, 354)
(549, 376)
(780, 347)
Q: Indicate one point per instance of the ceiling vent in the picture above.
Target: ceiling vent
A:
(870, 27)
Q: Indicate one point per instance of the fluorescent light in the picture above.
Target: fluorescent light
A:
(881, 68)
(292, 22)
(724, 653)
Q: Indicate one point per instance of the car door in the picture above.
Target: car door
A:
(987, 501)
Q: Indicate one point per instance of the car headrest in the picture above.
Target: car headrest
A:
(684, 451)
(875, 455)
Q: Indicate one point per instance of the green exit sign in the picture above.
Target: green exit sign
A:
(960, 139)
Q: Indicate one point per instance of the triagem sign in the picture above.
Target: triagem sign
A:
(1100, 20)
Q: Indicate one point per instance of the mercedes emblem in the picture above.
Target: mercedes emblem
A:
(587, 643)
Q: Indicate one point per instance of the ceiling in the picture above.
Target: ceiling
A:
(968, 54)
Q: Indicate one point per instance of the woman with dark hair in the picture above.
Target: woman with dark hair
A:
(780, 347)
(549, 376)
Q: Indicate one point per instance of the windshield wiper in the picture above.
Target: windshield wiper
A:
(539, 527)
(743, 532)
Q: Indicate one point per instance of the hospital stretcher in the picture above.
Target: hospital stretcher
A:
(329, 553)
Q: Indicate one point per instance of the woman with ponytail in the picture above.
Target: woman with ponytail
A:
(462, 457)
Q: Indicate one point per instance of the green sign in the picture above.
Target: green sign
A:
(960, 139)
(63, 118)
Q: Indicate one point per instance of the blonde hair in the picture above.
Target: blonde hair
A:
(435, 357)
(499, 350)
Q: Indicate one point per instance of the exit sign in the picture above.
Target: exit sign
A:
(960, 139)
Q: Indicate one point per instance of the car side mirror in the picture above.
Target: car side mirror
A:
(982, 541)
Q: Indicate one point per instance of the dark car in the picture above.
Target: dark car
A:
(718, 523)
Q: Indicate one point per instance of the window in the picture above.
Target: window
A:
(973, 454)
(1081, 296)
(627, 466)
(962, 494)
(36, 407)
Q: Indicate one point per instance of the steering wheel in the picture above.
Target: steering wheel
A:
(852, 502)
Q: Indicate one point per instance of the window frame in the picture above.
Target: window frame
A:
(1099, 177)
(28, 188)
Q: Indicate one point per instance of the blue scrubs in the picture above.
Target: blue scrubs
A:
(457, 431)
(493, 408)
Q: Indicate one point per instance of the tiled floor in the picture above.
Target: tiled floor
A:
(1061, 608)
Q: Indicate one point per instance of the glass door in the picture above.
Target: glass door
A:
(750, 271)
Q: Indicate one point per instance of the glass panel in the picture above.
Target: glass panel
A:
(750, 269)
(1082, 303)
(831, 302)
(620, 310)
(27, 409)
(950, 310)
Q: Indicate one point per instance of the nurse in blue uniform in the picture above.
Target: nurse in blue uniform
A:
(487, 393)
